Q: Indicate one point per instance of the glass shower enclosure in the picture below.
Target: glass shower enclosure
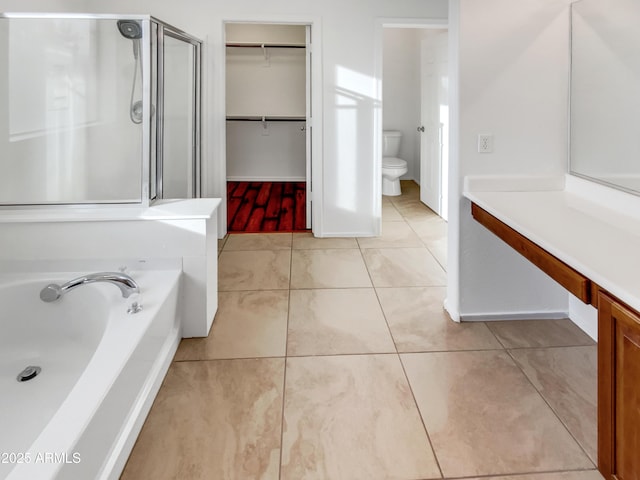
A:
(97, 109)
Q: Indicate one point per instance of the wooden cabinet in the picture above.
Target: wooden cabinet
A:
(618, 390)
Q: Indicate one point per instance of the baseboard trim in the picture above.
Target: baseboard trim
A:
(266, 179)
(489, 317)
(345, 235)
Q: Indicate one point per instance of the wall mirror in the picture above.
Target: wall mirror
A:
(605, 92)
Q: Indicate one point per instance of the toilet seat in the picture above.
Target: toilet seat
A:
(392, 162)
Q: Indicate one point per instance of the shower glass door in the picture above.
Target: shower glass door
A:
(179, 86)
(71, 102)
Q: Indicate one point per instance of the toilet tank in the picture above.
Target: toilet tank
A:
(391, 143)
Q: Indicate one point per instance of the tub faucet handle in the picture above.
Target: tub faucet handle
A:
(135, 303)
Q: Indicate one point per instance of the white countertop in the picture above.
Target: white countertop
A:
(190, 209)
(597, 241)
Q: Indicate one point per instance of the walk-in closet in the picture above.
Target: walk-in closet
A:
(267, 142)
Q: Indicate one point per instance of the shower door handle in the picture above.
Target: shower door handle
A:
(421, 129)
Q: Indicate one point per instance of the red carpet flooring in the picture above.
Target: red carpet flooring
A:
(266, 206)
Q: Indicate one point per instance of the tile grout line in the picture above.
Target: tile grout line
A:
(524, 475)
(443, 267)
(345, 354)
(489, 322)
(494, 335)
(329, 355)
(508, 351)
(406, 220)
(286, 355)
(424, 425)
(556, 414)
(349, 288)
(397, 354)
(542, 347)
(404, 371)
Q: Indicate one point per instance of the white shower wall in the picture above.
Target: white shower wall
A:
(64, 100)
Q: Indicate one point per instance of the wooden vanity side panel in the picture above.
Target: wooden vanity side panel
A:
(573, 281)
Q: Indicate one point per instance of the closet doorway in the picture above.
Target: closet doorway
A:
(268, 127)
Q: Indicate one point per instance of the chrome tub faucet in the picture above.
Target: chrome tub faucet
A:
(124, 282)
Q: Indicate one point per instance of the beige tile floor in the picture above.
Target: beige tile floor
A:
(333, 359)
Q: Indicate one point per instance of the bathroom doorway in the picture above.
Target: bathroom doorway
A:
(268, 127)
(416, 102)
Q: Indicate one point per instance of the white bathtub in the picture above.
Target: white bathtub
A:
(101, 369)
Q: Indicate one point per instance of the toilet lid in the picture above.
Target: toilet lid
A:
(392, 162)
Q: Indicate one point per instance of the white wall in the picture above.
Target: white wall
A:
(273, 151)
(401, 92)
(271, 86)
(42, 6)
(265, 33)
(585, 316)
(513, 80)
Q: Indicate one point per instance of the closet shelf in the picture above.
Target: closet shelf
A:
(266, 45)
(266, 118)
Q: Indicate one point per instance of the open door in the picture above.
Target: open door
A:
(309, 126)
(434, 136)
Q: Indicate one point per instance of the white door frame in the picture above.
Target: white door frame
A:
(452, 301)
(219, 114)
(381, 24)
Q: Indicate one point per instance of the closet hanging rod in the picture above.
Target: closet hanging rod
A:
(266, 119)
(265, 45)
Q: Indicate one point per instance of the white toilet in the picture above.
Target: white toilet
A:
(392, 166)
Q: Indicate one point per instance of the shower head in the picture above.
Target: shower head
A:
(130, 29)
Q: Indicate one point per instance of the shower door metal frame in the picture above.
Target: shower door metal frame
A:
(165, 29)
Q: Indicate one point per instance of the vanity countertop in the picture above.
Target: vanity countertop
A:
(596, 240)
(189, 209)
